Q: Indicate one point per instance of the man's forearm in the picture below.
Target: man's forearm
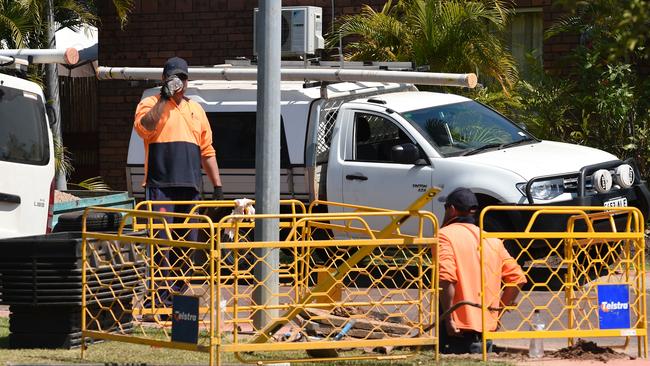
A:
(448, 291)
(150, 120)
(212, 170)
(509, 295)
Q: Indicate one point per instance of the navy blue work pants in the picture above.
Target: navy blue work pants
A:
(173, 258)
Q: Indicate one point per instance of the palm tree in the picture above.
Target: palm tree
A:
(23, 23)
(446, 35)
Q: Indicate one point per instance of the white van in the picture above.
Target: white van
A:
(26, 159)
(383, 144)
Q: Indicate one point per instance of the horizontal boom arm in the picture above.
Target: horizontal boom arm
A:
(288, 74)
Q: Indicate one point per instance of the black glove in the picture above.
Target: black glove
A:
(164, 92)
(217, 213)
(217, 194)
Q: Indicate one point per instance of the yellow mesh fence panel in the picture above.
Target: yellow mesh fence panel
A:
(134, 274)
(564, 271)
(343, 283)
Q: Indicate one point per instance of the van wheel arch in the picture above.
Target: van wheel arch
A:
(497, 221)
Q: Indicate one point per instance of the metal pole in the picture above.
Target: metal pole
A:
(341, 60)
(267, 159)
(68, 56)
(52, 91)
(294, 74)
(12, 61)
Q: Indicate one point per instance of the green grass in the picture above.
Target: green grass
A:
(116, 352)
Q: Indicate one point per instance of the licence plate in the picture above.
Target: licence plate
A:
(616, 202)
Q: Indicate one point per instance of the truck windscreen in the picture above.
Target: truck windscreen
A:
(466, 128)
(23, 127)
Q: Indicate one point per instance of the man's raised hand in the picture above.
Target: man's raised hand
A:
(171, 86)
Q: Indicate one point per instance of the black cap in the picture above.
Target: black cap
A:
(175, 66)
(462, 199)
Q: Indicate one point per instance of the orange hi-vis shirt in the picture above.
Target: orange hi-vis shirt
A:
(173, 151)
(459, 262)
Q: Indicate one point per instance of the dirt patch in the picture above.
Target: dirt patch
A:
(587, 350)
(510, 354)
(64, 197)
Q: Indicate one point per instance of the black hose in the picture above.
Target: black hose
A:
(462, 303)
(13, 59)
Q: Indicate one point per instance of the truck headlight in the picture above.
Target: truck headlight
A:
(624, 176)
(544, 190)
(602, 180)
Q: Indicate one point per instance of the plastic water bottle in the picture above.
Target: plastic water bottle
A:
(536, 348)
(174, 84)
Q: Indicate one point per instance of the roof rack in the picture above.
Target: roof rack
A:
(315, 63)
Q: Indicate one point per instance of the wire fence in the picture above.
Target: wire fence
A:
(342, 282)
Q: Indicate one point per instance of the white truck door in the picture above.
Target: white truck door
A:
(371, 177)
(26, 162)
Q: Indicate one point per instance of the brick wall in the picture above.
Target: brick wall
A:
(556, 48)
(204, 32)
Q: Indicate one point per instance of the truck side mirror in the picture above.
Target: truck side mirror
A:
(51, 116)
(406, 154)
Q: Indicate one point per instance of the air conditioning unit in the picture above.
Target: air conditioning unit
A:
(302, 30)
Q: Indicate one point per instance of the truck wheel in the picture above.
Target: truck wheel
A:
(95, 221)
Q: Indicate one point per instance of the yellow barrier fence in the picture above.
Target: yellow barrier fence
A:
(344, 282)
(587, 281)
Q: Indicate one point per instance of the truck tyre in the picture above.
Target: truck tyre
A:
(95, 221)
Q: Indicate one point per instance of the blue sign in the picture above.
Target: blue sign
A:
(613, 306)
(185, 319)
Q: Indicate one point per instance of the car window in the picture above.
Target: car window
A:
(460, 127)
(375, 136)
(23, 127)
(233, 139)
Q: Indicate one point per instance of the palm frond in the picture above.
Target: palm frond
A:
(72, 13)
(569, 24)
(34, 9)
(62, 159)
(123, 8)
(382, 35)
(462, 36)
(15, 24)
(93, 184)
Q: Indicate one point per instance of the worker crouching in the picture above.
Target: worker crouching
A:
(459, 257)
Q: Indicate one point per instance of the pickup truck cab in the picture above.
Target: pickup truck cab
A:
(383, 144)
(26, 159)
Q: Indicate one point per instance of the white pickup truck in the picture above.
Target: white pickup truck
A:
(383, 144)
